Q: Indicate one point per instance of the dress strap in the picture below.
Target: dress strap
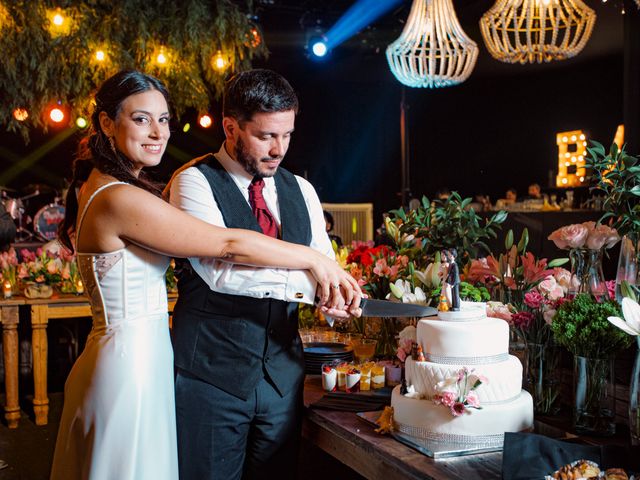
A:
(86, 205)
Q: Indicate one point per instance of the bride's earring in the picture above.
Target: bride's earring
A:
(113, 144)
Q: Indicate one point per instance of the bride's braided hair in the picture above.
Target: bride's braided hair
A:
(96, 150)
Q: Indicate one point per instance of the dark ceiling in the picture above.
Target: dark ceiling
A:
(285, 23)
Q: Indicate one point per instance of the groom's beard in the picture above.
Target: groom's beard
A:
(252, 164)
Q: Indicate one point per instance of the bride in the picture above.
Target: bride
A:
(118, 419)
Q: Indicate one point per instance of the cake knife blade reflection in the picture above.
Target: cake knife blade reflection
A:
(384, 308)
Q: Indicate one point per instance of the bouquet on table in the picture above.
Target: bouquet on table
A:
(8, 269)
(39, 272)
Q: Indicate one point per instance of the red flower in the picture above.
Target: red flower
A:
(522, 320)
(458, 409)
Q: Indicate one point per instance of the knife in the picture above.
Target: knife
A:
(384, 308)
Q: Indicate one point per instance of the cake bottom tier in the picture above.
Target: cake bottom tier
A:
(424, 419)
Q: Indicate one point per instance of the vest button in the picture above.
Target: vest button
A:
(271, 331)
(266, 359)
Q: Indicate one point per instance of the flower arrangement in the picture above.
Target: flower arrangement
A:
(585, 235)
(70, 276)
(458, 392)
(41, 267)
(513, 273)
(581, 326)
(9, 267)
(540, 305)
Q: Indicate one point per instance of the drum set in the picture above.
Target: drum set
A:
(43, 225)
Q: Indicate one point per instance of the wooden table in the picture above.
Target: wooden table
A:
(380, 457)
(10, 317)
(41, 310)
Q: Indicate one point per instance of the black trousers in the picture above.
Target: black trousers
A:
(223, 437)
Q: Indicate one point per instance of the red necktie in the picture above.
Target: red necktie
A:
(259, 206)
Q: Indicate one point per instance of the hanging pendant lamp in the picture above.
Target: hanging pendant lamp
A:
(528, 31)
(433, 50)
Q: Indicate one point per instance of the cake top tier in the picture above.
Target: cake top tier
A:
(468, 311)
(486, 337)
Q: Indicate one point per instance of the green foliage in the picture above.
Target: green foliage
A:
(41, 66)
(617, 174)
(474, 294)
(581, 326)
(446, 224)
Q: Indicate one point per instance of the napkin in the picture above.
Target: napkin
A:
(528, 456)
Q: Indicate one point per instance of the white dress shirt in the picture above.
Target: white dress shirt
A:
(190, 191)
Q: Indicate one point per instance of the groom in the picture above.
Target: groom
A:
(239, 359)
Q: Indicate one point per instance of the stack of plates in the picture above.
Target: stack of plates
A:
(315, 354)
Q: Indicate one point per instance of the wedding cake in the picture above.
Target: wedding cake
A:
(464, 387)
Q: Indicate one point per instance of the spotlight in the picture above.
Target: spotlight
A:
(205, 121)
(318, 45)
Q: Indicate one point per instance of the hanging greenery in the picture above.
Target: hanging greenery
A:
(59, 52)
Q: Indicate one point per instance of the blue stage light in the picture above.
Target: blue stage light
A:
(318, 46)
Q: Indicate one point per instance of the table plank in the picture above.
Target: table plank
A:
(380, 457)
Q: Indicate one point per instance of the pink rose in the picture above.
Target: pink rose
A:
(499, 310)
(533, 299)
(448, 398)
(563, 278)
(570, 236)
(548, 315)
(401, 354)
(556, 293)
(52, 268)
(547, 285)
(472, 399)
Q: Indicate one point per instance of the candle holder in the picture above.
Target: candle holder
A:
(7, 289)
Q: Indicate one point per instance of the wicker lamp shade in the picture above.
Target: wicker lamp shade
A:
(528, 31)
(433, 50)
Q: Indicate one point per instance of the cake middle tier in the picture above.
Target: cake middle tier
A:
(504, 379)
(488, 337)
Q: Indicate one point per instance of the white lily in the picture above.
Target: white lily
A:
(631, 313)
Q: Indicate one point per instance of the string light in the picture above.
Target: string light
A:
(56, 115)
(218, 62)
(100, 56)
(81, 122)
(162, 58)
(58, 19)
(205, 121)
(187, 127)
(20, 114)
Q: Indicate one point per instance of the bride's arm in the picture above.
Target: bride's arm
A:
(135, 215)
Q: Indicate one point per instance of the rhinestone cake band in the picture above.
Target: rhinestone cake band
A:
(488, 441)
(503, 357)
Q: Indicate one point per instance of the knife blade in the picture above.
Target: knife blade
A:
(383, 308)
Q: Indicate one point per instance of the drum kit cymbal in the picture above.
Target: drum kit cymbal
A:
(44, 224)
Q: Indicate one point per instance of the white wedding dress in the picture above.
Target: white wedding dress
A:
(118, 421)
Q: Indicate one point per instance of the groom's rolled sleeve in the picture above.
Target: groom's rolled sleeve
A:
(190, 191)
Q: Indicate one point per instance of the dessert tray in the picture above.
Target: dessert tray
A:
(442, 449)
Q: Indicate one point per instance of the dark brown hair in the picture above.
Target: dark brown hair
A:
(95, 151)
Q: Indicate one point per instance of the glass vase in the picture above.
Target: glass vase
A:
(594, 399)
(586, 273)
(627, 272)
(634, 399)
(542, 380)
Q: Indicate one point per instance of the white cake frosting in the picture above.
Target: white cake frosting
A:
(481, 346)
(504, 378)
(425, 419)
(486, 337)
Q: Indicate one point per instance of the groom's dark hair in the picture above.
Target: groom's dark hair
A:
(257, 91)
